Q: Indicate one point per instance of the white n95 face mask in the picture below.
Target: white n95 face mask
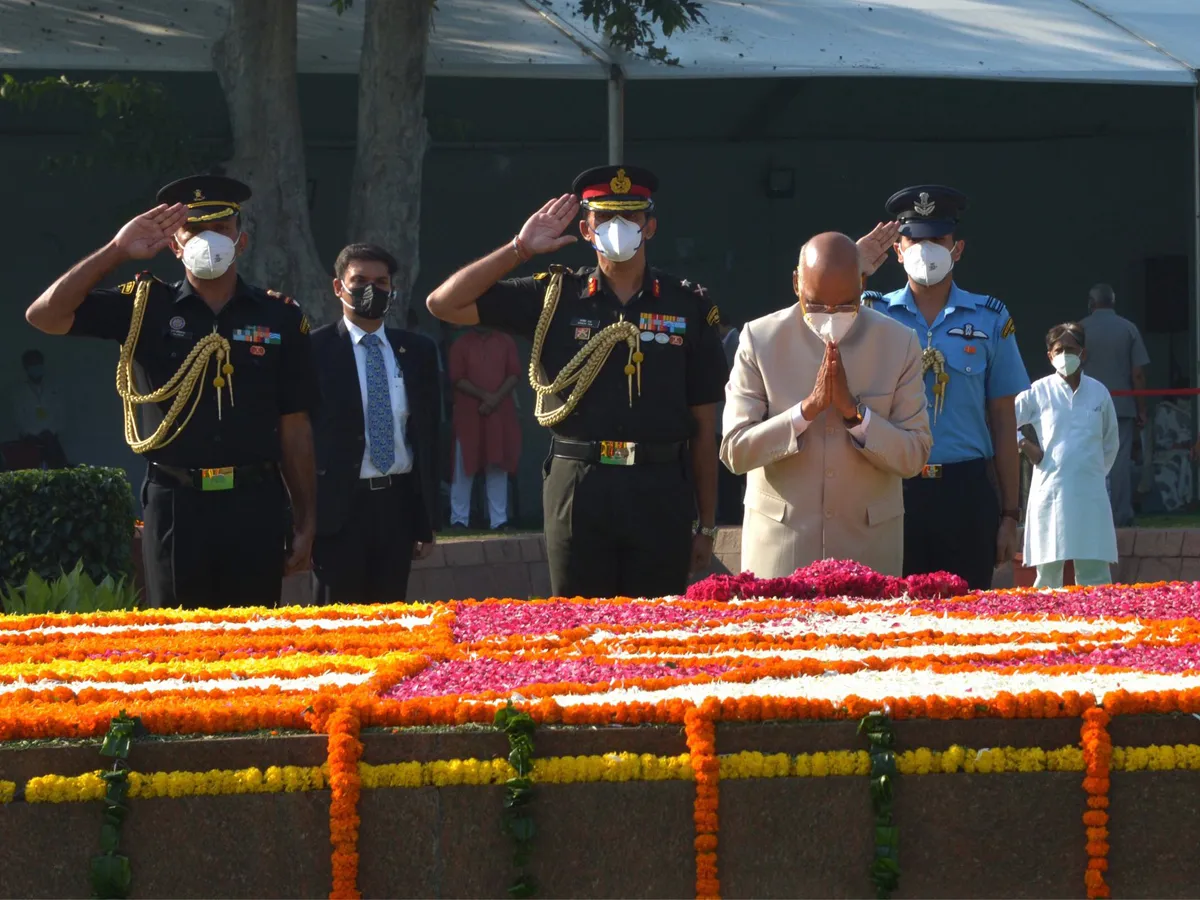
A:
(209, 254)
(1065, 364)
(618, 239)
(928, 263)
(830, 327)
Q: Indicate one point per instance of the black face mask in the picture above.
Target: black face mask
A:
(369, 301)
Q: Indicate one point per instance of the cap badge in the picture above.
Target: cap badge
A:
(621, 183)
(924, 206)
(198, 194)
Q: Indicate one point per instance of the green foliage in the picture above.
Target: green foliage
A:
(628, 24)
(111, 875)
(50, 520)
(133, 124)
(517, 821)
(885, 867)
(72, 592)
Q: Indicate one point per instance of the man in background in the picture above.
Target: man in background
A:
(376, 439)
(37, 411)
(1117, 359)
(484, 370)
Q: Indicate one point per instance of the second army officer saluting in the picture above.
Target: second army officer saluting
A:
(628, 368)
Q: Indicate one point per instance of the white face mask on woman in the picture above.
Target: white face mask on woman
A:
(209, 254)
(617, 239)
(928, 263)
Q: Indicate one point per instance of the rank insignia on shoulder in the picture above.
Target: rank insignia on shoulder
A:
(278, 296)
(305, 327)
(128, 287)
(541, 276)
(1008, 330)
(714, 315)
(994, 305)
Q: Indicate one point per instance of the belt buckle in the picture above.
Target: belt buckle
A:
(216, 479)
(618, 453)
(931, 472)
(379, 482)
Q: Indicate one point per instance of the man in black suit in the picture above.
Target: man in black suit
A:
(376, 438)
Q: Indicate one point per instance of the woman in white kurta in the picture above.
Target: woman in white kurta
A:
(1069, 515)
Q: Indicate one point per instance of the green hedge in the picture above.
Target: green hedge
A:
(50, 520)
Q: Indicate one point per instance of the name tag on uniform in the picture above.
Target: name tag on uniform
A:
(617, 453)
(216, 479)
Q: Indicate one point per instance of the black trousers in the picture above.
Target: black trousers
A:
(951, 523)
(369, 559)
(214, 548)
(617, 531)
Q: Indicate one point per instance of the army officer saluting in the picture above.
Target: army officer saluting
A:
(628, 368)
(224, 375)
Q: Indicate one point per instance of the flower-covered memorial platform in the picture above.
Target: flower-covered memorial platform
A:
(850, 735)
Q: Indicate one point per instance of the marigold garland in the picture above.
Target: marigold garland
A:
(701, 740)
(1097, 755)
(345, 749)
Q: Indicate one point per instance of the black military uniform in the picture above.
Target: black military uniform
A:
(618, 502)
(213, 497)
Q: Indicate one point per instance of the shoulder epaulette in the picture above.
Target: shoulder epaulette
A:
(278, 296)
(995, 306)
(130, 286)
(870, 298)
(541, 276)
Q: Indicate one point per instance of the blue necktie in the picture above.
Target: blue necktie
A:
(380, 430)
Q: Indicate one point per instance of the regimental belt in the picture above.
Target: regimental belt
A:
(932, 360)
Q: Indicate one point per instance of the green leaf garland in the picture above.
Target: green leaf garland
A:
(517, 821)
(885, 867)
(111, 876)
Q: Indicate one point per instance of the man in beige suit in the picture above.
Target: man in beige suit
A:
(826, 413)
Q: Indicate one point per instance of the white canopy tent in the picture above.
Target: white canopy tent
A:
(1144, 42)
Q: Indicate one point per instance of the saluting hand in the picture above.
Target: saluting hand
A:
(873, 247)
(543, 231)
(146, 235)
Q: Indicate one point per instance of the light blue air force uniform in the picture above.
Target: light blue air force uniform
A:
(976, 336)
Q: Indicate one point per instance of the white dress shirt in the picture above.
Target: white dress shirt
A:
(399, 398)
(858, 432)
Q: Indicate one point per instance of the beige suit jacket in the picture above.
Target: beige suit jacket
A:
(822, 495)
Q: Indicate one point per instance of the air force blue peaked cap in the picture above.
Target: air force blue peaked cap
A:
(926, 210)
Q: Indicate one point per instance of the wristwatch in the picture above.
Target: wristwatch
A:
(710, 533)
(860, 415)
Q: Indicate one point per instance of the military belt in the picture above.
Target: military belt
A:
(243, 476)
(617, 453)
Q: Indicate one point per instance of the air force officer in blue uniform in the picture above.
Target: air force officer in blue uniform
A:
(953, 520)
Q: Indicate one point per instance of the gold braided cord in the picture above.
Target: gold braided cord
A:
(583, 368)
(184, 385)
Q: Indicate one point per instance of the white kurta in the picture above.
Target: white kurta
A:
(1069, 516)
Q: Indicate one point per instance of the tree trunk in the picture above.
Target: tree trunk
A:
(385, 204)
(255, 61)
